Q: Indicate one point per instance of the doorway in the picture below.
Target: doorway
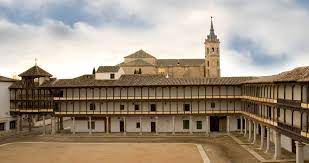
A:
(121, 126)
(153, 127)
(214, 124)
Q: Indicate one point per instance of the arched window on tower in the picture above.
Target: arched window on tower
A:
(213, 49)
(207, 63)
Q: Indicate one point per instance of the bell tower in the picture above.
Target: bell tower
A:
(212, 54)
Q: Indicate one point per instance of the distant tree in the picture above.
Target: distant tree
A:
(93, 71)
(139, 71)
(135, 72)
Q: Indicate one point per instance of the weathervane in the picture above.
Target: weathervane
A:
(36, 61)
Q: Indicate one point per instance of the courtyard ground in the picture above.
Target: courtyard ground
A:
(220, 148)
(97, 152)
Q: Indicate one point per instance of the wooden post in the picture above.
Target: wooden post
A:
(44, 125)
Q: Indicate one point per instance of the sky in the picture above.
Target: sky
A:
(71, 37)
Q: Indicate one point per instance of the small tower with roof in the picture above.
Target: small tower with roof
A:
(34, 76)
(212, 54)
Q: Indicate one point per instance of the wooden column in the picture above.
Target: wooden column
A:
(241, 124)
(90, 126)
(141, 126)
(44, 125)
(173, 122)
(107, 125)
(277, 145)
(53, 125)
(157, 125)
(73, 121)
(262, 136)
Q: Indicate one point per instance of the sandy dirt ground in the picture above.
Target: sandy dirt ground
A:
(99, 153)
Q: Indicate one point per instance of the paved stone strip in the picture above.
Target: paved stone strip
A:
(203, 153)
(256, 155)
(1, 145)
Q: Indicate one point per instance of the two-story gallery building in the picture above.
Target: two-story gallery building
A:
(148, 95)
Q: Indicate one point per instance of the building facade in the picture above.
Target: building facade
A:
(142, 62)
(149, 99)
(7, 122)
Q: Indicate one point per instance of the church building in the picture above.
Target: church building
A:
(144, 94)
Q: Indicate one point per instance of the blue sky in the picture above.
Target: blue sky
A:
(70, 37)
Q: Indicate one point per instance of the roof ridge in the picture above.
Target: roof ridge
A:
(140, 54)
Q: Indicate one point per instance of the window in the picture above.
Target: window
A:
(121, 107)
(92, 125)
(213, 49)
(92, 106)
(207, 63)
(207, 50)
(59, 93)
(138, 125)
(2, 126)
(186, 107)
(139, 71)
(213, 105)
(56, 107)
(199, 125)
(13, 125)
(136, 107)
(185, 124)
(112, 76)
(153, 107)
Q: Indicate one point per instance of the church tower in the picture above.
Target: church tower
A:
(212, 54)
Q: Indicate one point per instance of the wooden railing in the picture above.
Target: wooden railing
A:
(291, 103)
(289, 128)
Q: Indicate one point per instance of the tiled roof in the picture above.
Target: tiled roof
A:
(306, 79)
(295, 75)
(103, 69)
(146, 80)
(140, 54)
(35, 71)
(137, 62)
(17, 84)
(5, 79)
(180, 62)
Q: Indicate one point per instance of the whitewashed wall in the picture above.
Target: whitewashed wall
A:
(5, 104)
(106, 76)
(82, 126)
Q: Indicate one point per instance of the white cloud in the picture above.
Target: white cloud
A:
(178, 31)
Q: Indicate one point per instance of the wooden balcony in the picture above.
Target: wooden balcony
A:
(289, 103)
(290, 128)
(258, 118)
(32, 110)
(260, 99)
(145, 98)
(125, 113)
(29, 97)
